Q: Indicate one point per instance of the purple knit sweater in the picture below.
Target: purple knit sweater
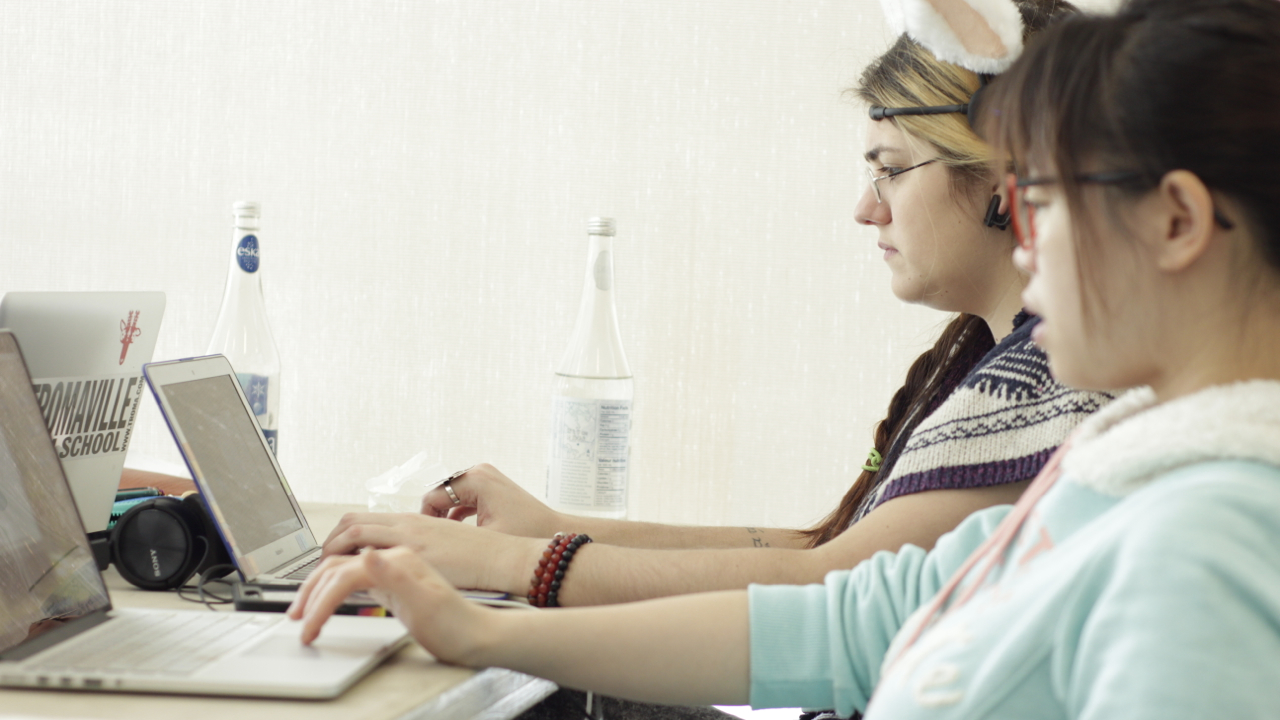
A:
(998, 425)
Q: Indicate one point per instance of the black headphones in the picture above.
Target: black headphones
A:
(159, 544)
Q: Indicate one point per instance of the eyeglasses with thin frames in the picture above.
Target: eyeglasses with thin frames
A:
(875, 179)
(1024, 213)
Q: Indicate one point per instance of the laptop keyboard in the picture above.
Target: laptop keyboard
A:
(155, 644)
(302, 571)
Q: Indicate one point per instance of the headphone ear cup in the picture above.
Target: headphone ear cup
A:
(215, 552)
(154, 544)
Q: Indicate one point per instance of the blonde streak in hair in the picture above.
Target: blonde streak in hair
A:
(937, 83)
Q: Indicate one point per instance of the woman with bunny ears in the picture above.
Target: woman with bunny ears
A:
(977, 418)
(1139, 575)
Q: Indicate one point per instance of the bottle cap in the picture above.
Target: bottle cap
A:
(247, 208)
(600, 226)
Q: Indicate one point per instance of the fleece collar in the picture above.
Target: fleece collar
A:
(1133, 440)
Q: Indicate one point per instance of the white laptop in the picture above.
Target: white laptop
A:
(260, 520)
(85, 351)
(58, 629)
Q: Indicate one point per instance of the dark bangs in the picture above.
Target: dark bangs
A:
(1161, 85)
(1053, 113)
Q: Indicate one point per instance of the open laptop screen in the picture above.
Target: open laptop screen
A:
(232, 461)
(47, 572)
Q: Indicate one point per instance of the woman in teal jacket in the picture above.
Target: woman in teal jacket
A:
(1139, 575)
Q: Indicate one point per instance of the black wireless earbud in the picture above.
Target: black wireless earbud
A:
(994, 217)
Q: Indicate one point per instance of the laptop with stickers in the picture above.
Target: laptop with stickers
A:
(85, 351)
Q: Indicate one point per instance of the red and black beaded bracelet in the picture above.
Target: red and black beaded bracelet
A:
(545, 589)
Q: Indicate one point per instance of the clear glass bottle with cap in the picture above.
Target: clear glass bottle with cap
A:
(590, 455)
(242, 332)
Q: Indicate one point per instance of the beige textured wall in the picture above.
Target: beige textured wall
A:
(426, 169)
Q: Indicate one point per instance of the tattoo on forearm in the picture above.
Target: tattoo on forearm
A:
(755, 541)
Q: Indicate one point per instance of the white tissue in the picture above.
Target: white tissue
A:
(401, 488)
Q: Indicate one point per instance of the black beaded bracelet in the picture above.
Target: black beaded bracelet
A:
(544, 591)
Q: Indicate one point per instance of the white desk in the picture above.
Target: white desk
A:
(409, 686)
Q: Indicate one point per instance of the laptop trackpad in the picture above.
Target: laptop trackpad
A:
(287, 645)
(278, 645)
(345, 642)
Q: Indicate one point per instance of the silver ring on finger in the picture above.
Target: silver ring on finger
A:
(448, 488)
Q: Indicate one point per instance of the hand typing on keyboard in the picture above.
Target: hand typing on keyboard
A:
(435, 613)
(690, 649)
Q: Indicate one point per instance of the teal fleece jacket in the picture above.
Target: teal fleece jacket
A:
(1145, 584)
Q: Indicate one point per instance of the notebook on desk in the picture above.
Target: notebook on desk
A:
(58, 629)
(85, 351)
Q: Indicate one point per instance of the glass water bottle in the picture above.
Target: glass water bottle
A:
(242, 332)
(590, 455)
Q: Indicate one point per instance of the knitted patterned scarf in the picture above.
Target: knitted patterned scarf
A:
(998, 425)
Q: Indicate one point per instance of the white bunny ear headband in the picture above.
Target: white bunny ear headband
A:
(984, 36)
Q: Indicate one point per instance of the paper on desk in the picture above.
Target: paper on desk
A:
(400, 489)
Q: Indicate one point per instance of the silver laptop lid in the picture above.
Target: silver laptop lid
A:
(218, 435)
(85, 351)
(47, 572)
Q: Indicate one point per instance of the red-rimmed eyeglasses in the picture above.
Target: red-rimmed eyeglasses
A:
(1024, 213)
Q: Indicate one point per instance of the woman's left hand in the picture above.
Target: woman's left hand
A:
(448, 625)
